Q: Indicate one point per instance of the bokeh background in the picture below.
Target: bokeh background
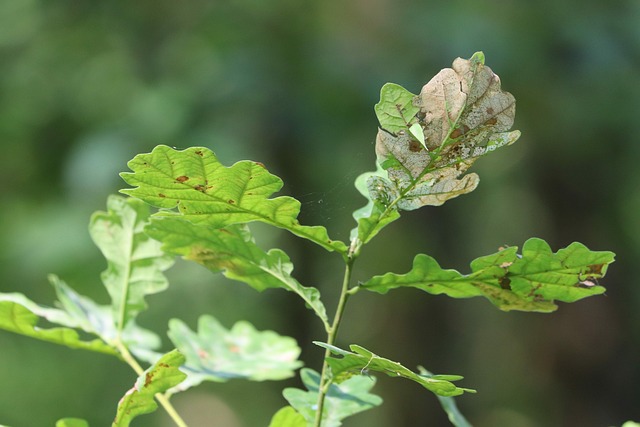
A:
(85, 85)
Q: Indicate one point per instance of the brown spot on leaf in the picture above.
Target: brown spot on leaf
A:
(260, 164)
(182, 178)
(505, 282)
(415, 146)
(161, 195)
(595, 269)
(490, 110)
(491, 121)
(459, 131)
(199, 153)
(231, 201)
(148, 378)
(201, 188)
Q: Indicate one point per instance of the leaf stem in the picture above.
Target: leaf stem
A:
(325, 381)
(161, 398)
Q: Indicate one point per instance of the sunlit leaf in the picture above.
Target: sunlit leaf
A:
(360, 360)
(396, 110)
(159, 378)
(135, 261)
(206, 192)
(531, 281)
(342, 400)
(233, 251)
(287, 417)
(15, 317)
(217, 354)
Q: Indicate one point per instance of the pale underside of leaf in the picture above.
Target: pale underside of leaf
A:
(135, 262)
(82, 312)
(15, 317)
(76, 314)
(342, 400)
(528, 282)
(217, 354)
(208, 193)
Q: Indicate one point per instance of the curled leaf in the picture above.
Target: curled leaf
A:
(346, 364)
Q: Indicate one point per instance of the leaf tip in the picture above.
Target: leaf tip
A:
(478, 58)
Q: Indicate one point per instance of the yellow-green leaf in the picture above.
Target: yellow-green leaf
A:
(208, 193)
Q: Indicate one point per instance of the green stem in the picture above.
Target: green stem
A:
(161, 398)
(331, 337)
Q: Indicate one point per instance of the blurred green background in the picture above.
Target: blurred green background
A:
(85, 85)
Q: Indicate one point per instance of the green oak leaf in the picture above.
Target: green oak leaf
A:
(135, 261)
(135, 265)
(208, 193)
(360, 360)
(233, 251)
(17, 318)
(217, 354)
(160, 377)
(98, 319)
(77, 312)
(287, 417)
(531, 281)
(342, 400)
(396, 110)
